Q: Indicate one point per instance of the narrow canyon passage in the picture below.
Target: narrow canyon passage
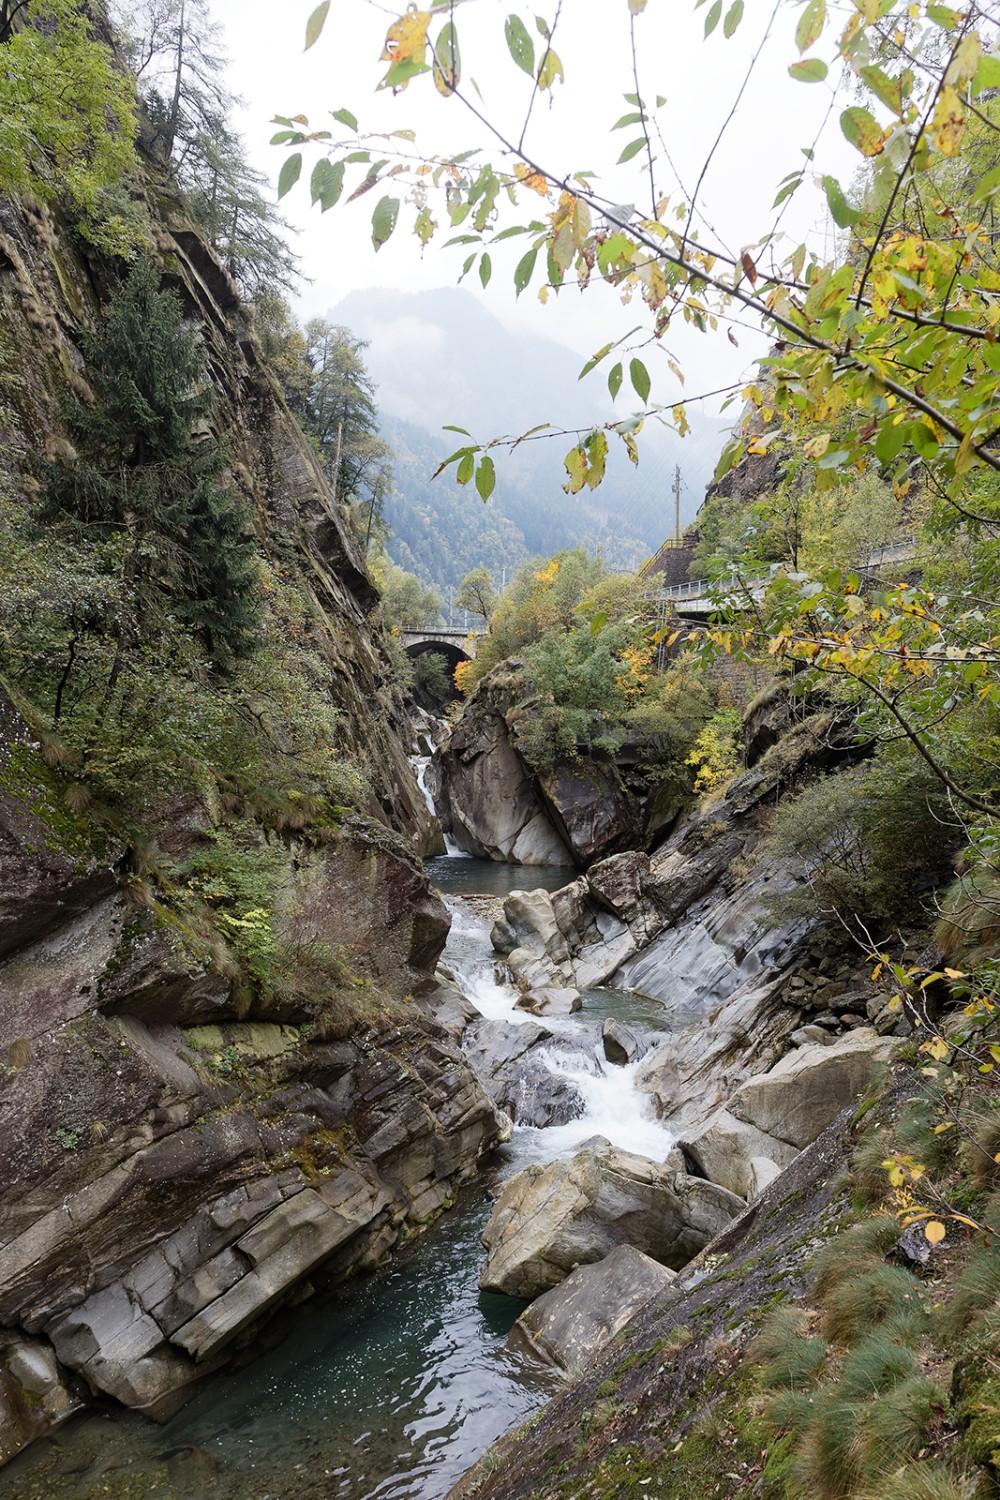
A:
(398, 1383)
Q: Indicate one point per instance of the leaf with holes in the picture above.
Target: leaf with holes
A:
(519, 44)
(384, 220)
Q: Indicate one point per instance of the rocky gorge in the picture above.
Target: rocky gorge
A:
(665, 1072)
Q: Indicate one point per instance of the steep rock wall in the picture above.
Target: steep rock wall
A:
(182, 1159)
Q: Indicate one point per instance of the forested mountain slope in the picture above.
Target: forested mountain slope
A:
(441, 358)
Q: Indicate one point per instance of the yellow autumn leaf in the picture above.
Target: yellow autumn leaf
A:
(529, 178)
(408, 36)
(934, 1232)
(948, 122)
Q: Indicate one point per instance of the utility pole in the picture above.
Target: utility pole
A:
(677, 504)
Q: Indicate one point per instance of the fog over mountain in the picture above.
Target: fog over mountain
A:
(440, 357)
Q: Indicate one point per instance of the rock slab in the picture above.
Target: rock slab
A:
(570, 1325)
(551, 1218)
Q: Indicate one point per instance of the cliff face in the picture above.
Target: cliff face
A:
(51, 291)
(181, 1158)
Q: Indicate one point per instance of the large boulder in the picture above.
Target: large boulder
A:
(620, 1043)
(507, 1056)
(493, 803)
(736, 1155)
(592, 809)
(806, 1090)
(550, 1000)
(570, 1325)
(367, 895)
(550, 1219)
(559, 938)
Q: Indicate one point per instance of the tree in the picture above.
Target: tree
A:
(67, 119)
(883, 350)
(477, 594)
(406, 604)
(341, 419)
(144, 480)
(173, 47)
(227, 196)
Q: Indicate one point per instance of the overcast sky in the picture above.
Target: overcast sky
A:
(700, 79)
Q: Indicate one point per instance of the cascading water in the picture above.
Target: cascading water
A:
(421, 765)
(390, 1390)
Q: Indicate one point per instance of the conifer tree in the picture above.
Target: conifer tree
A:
(143, 475)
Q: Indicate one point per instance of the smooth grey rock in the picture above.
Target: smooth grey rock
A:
(491, 797)
(807, 1089)
(621, 1045)
(729, 1152)
(592, 809)
(617, 883)
(547, 1000)
(571, 1324)
(550, 1219)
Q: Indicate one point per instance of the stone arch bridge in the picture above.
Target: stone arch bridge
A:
(453, 645)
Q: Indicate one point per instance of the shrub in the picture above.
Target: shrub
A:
(868, 841)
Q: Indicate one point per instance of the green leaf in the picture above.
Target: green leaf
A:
(524, 270)
(384, 220)
(809, 70)
(632, 149)
(486, 478)
(731, 455)
(734, 16)
(986, 186)
(615, 378)
(326, 183)
(595, 360)
(844, 215)
(450, 427)
(862, 130)
(943, 16)
(466, 467)
(987, 74)
(888, 90)
(485, 269)
(599, 621)
(639, 376)
(631, 119)
(712, 19)
(447, 61)
(519, 44)
(811, 23)
(923, 440)
(291, 169)
(315, 24)
(345, 117)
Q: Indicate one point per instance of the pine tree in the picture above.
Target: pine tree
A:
(142, 474)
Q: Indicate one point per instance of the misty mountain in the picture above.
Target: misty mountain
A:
(440, 357)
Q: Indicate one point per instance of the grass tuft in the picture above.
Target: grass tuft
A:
(886, 1297)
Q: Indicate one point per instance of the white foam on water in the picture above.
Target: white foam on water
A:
(613, 1106)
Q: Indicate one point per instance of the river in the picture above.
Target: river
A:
(390, 1389)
